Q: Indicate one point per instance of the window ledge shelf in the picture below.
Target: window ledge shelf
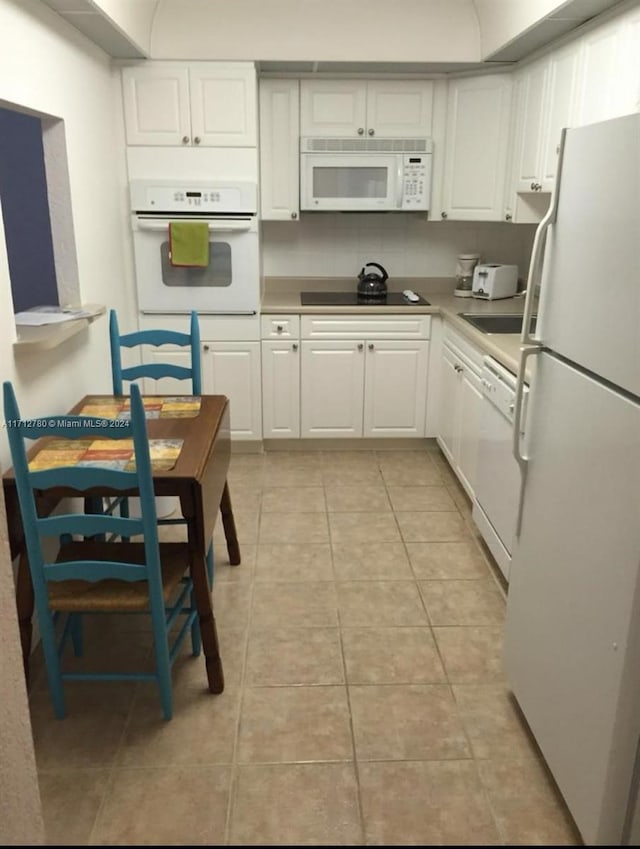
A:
(47, 336)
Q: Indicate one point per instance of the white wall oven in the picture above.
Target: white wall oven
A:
(230, 283)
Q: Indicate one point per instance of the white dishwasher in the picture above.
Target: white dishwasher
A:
(497, 489)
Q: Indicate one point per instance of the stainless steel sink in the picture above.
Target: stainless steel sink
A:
(504, 323)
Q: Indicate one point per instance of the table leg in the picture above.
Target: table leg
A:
(208, 632)
(25, 603)
(229, 524)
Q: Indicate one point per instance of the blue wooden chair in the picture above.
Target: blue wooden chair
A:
(193, 372)
(93, 576)
(155, 370)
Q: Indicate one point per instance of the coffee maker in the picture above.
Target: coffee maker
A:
(465, 266)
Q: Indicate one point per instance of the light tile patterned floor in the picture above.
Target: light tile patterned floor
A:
(365, 700)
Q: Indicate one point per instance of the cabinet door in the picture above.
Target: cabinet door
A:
(399, 108)
(599, 74)
(471, 400)
(530, 99)
(332, 388)
(333, 108)
(629, 65)
(448, 437)
(561, 96)
(233, 369)
(280, 390)
(223, 104)
(168, 385)
(156, 104)
(395, 388)
(476, 148)
(279, 150)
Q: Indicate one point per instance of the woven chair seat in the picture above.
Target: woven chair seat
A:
(111, 595)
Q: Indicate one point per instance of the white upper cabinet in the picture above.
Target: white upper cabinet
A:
(348, 108)
(400, 108)
(600, 64)
(333, 108)
(531, 89)
(223, 104)
(156, 104)
(545, 103)
(210, 104)
(476, 146)
(560, 109)
(629, 91)
(279, 150)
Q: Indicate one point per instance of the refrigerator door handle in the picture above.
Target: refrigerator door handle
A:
(521, 459)
(537, 252)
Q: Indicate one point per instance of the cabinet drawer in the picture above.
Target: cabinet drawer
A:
(280, 326)
(368, 327)
(463, 349)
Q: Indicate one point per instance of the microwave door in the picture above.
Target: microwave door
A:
(350, 182)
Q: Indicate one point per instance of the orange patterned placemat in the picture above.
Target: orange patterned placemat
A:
(105, 453)
(155, 407)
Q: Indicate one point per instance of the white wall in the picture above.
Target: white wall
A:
(314, 30)
(327, 244)
(48, 66)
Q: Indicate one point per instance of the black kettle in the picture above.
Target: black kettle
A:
(371, 285)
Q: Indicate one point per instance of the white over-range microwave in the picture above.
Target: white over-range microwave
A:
(365, 175)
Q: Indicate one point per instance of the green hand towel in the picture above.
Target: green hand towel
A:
(189, 243)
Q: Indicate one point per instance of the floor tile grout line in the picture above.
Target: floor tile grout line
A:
(233, 778)
(356, 769)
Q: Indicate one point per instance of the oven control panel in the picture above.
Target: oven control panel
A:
(199, 197)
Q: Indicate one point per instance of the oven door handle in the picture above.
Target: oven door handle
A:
(214, 227)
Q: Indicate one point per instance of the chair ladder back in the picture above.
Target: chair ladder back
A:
(155, 338)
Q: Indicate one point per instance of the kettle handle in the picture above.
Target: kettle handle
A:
(385, 276)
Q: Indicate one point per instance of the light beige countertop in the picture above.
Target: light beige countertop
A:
(281, 295)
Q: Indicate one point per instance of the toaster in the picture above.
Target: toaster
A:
(493, 280)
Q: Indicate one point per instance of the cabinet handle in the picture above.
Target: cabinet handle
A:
(458, 369)
(508, 216)
(279, 328)
(360, 131)
(536, 187)
(197, 140)
(443, 215)
(185, 139)
(361, 346)
(205, 347)
(533, 187)
(371, 346)
(294, 215)
(371, 132)
(294, 347)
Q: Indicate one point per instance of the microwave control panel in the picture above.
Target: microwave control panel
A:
(416, 181)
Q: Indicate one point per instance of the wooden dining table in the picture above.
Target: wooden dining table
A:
(198, 479)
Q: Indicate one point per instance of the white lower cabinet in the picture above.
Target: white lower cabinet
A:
(332, 396)
(168, 385)
(460, 406)
(395, 397)
(280, 389)
(367, 380)
(233, 369)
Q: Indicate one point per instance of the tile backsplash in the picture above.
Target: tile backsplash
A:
(407, 245)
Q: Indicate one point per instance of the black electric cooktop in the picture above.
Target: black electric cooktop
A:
(352, 299)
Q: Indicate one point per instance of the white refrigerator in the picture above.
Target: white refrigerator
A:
(572, 642)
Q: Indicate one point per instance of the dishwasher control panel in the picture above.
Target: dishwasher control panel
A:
(499, 387)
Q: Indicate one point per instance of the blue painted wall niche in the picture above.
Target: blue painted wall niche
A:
(25, 211)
